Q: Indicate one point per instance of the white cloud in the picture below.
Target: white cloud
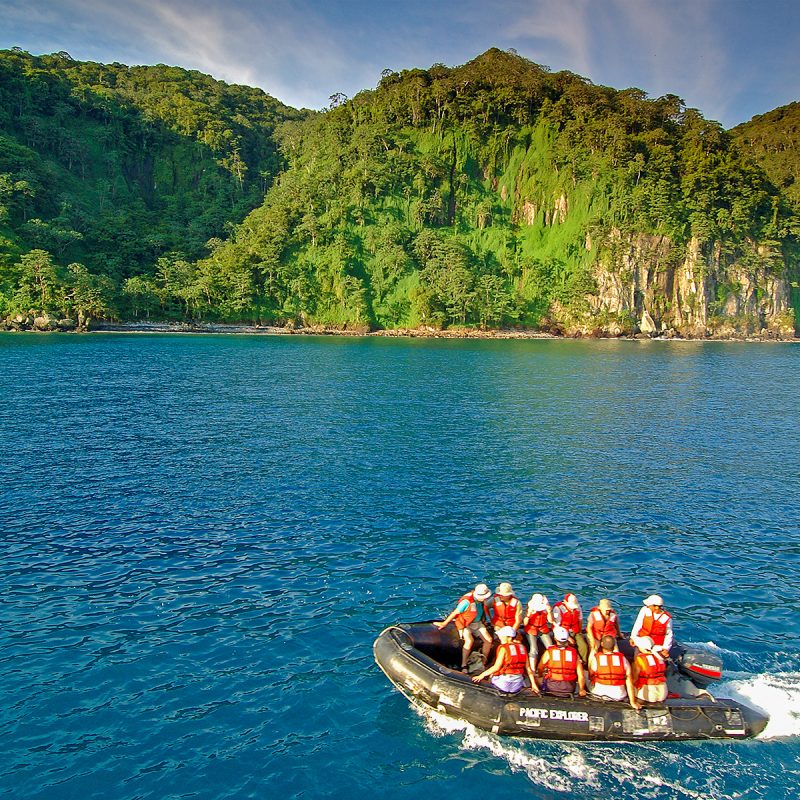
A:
(284, 47)
(724, 57)
(674, 47)
(560, 32)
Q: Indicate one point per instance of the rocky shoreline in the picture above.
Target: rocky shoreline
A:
(69, 326)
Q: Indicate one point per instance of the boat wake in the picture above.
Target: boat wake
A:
(651, 769)
(777, 694)
(578, 770)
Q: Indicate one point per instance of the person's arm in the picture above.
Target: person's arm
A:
(543, 662)
(637, 625)
(592, 664)
(629, 686)
(462, 606)
(498, 662)
(593, 643)
(581, 679)
(518, 617)
(635, 671)
(668, 638)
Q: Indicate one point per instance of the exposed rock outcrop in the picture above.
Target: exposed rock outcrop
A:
(646, 284)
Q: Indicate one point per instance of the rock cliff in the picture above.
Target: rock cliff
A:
(648, 285)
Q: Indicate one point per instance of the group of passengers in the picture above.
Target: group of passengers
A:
(550, 646)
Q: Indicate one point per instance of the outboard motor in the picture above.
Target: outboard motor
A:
(701, 667)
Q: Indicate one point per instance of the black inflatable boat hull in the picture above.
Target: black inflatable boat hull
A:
(400, 651)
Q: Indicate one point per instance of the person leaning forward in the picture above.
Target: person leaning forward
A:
(510, 666)
(610, 673)
(469, 617)
(561, 668)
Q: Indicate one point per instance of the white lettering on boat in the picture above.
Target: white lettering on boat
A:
(554, 713)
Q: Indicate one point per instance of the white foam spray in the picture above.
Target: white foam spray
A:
(777, 694)
(579, 770)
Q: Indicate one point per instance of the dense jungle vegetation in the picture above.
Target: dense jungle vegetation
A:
(481, 194)
(774, 141)
(108, 170)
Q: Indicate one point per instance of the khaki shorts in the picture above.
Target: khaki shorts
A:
(655, 693)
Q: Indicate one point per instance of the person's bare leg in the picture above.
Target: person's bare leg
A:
(487, 646)
(467, 646)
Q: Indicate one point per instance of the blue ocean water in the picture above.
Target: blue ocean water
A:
(202, 535)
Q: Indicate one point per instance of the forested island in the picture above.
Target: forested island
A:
(497, 194)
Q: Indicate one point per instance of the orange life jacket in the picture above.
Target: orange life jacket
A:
(562, 663)
(652, 670)
(600, 626)
(466, 618)
(655, 626)
(536, 622)
(515, 657)
(609, 669)
(571, 620)
(503, 614)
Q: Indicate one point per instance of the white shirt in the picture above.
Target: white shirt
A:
(637, 626)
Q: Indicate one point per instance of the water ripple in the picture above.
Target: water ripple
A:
(201, 537)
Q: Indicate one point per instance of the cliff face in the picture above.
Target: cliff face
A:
(647, 285)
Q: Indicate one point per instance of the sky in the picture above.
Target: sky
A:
(730, 58)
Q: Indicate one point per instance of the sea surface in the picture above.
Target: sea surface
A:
(203, 535)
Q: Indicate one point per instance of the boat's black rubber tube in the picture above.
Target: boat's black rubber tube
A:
(413, 656)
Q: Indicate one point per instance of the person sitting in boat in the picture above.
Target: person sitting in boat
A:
(567, 613)
(510, 665)
(655, 622)
(649, 672)
(505, 610)
(561, 667)
(469, 617)
(603, 621)
(538, 624)
(610, 673)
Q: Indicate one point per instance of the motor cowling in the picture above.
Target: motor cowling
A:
(701, 667)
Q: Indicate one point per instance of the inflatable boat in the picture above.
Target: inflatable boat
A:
(422, 661)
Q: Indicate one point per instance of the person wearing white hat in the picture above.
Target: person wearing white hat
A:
(505, 609)
(561, 667)
(470, 618)
(654, 621)
(603, 621)
(538, 625)
(568, 614)
(649, 672)
(510, 665)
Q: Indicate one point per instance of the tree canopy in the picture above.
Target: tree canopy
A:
(484, 194)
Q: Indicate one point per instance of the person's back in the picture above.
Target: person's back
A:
(561, 667)
(649, 673)
(510, 665)
(610, 673)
